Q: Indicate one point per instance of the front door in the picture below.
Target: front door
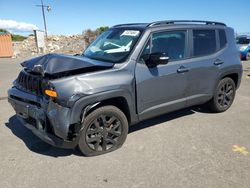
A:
(162, 88)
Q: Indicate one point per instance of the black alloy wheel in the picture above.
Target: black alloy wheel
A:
(104, 133)
(104, 130)
(223, 96)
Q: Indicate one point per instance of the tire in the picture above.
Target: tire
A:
(248, 56)
(223, 96)
(104, 130)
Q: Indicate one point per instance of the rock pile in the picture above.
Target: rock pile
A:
(74, 44)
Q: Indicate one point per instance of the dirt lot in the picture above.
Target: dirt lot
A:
(188, 148)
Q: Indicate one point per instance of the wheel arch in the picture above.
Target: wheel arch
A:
(234, 74)
(119, 102)
(234, 77)
(120, 98)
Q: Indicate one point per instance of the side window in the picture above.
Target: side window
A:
(170, 43)
(146, 52)
(223, 39)
(204, 42)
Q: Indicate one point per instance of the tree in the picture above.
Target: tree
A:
(3, 31)
(101, 29)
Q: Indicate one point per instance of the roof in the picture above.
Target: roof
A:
(168, 22)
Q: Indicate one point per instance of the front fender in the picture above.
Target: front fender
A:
(83, 102)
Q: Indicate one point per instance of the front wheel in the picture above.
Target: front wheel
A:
(104, 130)
(223, 96)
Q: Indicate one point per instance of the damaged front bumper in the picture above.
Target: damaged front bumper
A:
(49, 121)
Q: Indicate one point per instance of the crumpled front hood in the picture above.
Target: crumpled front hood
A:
(57, 63)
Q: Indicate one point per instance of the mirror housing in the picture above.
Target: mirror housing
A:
(156, 59)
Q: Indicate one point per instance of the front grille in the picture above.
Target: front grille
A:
(29, 82)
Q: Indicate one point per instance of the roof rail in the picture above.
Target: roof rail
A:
(166, 22)
(128, 24)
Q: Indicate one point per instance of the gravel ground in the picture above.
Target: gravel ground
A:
(187, 148)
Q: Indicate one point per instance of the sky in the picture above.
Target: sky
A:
(69, 17)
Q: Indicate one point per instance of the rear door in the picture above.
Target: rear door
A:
(203, 65)
(162, 89)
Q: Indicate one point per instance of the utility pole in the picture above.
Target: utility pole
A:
(44, 18)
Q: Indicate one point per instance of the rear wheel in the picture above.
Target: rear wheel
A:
(223, 96)
(105, 130)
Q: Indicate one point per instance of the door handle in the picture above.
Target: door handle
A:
(182, 69)
(218, 62)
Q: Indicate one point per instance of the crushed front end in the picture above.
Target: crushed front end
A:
(45, 92)
(40, 113)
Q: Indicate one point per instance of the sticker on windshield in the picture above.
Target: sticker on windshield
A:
(133, 33)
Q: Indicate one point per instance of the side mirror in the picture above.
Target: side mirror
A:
(157, 59)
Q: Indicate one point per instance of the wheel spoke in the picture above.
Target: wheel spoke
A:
(103, 118)
(90, 132)
(93, 139)
(115, 133)
(222, 102)
(96, 123)
(228, 97)
(104, 144)
(230, 87)
(117, 125)
(97, 144)
(220, 97)
(229, 93)
(112, 141)
(227, 86)
(226, 102)
(111, 120)
(220, 92)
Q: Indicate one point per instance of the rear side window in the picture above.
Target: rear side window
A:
(223, 39)
(204, 42)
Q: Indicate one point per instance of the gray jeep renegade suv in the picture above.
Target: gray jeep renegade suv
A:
(130, 73)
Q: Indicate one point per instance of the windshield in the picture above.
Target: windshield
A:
(113, 45)
(243, 40)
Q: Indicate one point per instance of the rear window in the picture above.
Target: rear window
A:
(204, 42)
(243, 40)
(223, 39)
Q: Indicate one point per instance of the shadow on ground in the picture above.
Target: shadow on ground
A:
(34, 143)
(166, 117)
(38, 146)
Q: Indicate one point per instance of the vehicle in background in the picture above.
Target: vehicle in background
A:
(243, 42)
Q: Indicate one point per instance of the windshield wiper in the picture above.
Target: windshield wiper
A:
(100, 59)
